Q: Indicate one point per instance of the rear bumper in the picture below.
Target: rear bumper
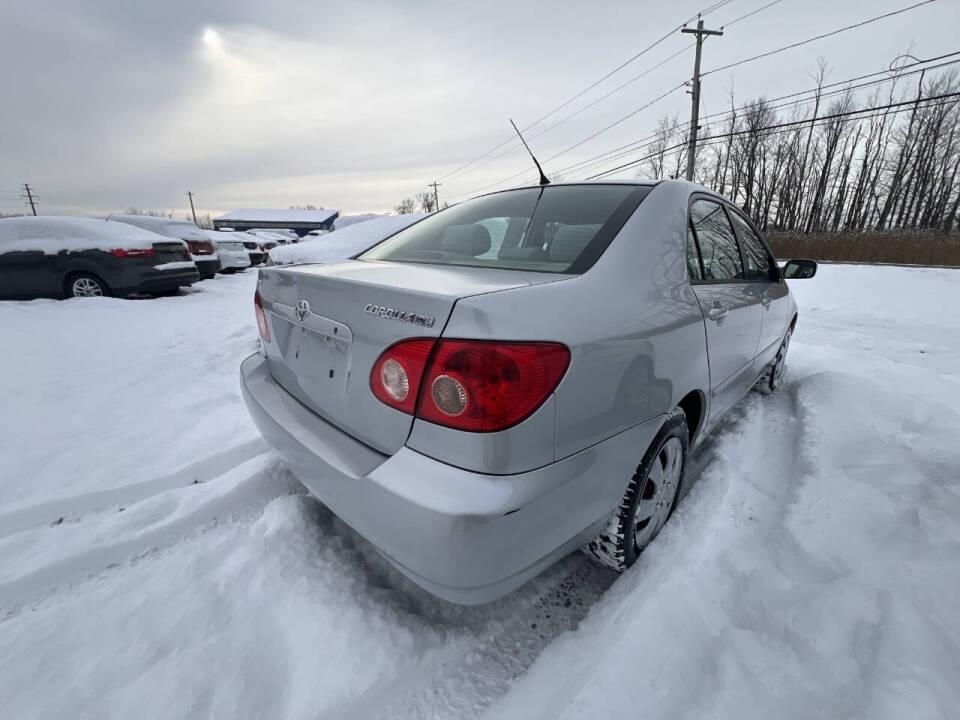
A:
(466, 537)
(157, 280)
(230, 260)
(207, 266)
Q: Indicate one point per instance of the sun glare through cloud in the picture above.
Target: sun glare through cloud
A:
(211, 38)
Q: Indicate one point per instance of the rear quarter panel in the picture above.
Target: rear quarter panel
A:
(635, 334)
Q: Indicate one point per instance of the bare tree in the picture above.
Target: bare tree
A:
(406, 206)
(426, 201)
(150, 213)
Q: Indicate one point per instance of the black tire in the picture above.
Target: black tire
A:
(85, 284)
(771, 380)
(625, 536)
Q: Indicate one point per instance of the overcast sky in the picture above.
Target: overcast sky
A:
(355, 105)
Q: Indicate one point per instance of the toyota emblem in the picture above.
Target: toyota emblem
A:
(303, 309)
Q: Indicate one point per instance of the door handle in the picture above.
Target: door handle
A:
(716, 312)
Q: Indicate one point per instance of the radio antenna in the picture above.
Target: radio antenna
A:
(543, 178)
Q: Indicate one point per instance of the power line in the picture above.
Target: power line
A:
(655, 43)
(817, 37)
(891, 75)
(578, 144)
(710, 72)
(933, 101)
(726, 114)
(750, 14)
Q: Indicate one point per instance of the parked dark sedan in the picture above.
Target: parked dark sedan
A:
(202, 250)
(83, 257)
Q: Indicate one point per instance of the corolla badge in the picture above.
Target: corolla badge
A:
(402, 315)
(302, 310)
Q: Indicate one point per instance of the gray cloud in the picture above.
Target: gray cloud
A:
(355, 105)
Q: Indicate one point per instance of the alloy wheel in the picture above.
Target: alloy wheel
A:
(658, 493)
(86, 287)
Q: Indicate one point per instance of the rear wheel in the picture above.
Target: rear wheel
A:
(772, 379)
(86, 285)
(649, 499)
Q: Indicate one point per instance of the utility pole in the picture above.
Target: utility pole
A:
(436, 197)
(28, 196)
(695, 92)
(192, 211)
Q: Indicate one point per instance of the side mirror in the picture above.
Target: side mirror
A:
(799, 269)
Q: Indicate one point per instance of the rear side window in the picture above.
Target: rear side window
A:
(754, 253)
(561, 229)
(718, 245)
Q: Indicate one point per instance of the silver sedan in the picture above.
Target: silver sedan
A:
(520, 375)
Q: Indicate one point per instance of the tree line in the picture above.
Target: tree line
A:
(891, 161)
(421, 202)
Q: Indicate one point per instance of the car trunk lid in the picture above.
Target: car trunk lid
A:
(330, 323)
(166, 252)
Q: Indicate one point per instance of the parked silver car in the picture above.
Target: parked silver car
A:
(519, 375)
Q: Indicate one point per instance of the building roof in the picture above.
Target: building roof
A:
(273, 215)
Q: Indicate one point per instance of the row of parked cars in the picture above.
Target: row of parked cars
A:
(51, 256)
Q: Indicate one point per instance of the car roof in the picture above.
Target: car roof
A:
(638, 182)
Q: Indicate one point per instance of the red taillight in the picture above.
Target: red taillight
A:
(261, 317)
(395, 379)
(473, 385)
(200, 247)
(140, 252)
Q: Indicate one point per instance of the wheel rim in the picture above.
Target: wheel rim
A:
(658, 492)
(86, 287)
(781, 357)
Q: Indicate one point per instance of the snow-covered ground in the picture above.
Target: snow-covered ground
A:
(156, 561)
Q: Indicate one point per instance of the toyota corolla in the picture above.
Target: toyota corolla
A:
(520, 375)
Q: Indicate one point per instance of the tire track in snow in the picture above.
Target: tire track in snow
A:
(506, 637)
(736, 496)
(51, 556)
(211, 466)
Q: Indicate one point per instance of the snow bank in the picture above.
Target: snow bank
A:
(52, 234)
(345, 243)
(347, 220)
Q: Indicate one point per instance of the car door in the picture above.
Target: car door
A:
(32, 272)
(762, 272)
(6, 284)
(730, 304)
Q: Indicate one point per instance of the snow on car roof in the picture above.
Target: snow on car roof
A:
(347, 220)
(52, 234)
(277, 215)
(342, 244)
(163, 225)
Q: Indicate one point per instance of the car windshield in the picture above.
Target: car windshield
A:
(558, 229)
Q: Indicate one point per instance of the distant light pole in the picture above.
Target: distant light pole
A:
(192, 211)
(695, 109)
(436, 196)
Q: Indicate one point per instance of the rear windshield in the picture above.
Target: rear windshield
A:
(559, 229)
